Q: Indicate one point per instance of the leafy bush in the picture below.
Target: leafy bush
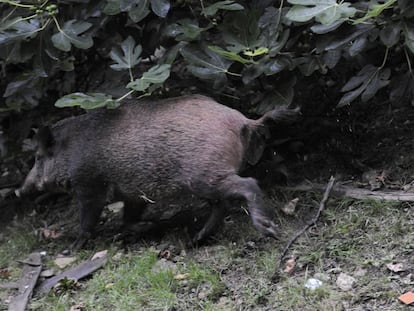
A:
(259, 52)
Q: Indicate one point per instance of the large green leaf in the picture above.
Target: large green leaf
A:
(184, 30)
(112, 7)
(375, 10)
(227, 5)
(18, 29)
(72, 33)
(206, 64)
(366, 83)
(345, 38)
(137, 9)
(160, 7)
(87, 101)
(324, 11)
(390, 34)
(272, 36)
(155, 76)
(229, 55)
(241, 31)
(409, 36)
(128, 57)
(281, 95)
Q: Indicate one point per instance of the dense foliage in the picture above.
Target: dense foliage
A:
(265, 53)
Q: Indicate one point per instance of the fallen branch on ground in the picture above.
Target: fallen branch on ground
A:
(322, 204)
(30, 274)
(78, 272)
(355, 193)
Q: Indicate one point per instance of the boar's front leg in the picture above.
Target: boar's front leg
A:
(91, 201)
(217, 214)
(132, 217)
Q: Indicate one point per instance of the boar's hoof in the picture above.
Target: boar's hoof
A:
(80, 242)
(266, 227)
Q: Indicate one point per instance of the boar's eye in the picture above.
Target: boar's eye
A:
(37, 157)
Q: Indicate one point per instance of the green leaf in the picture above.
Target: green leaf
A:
(72, 34)
(356, 32)
(183, 30)
(160, 7)
(229, 55)
(322, 29)
(375, 10)
(272, 35)
(241, 31)
(18, 29)
(366, 83)
(112, 7)
(390, 34)
(257, 52)
(156, 75)
(324, 11)
(409, 36)
(87, 101)
(206, 64)
(281, 95)
(137, 10)
(128, 57)
(221, 5)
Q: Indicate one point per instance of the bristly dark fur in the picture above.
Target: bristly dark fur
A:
(152, 150)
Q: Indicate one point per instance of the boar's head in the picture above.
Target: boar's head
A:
(45, 171)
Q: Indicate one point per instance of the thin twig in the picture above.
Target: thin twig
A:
(322, 204)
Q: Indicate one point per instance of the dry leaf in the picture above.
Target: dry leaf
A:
(396, 267)
(101, 254)
(182, 276)
(51, 233)
(290, 207)
(78, 307)
(407, 298)
(290, 265)
(4, 273)
(109, 285)
(165, 254)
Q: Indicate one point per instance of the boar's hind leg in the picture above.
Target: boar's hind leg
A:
(215, 218)
(236, 187)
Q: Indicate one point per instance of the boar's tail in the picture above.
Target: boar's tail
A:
(283, 115)
(255, 134)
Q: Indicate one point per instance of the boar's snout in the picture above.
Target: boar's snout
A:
(29, 185)
(24, 190)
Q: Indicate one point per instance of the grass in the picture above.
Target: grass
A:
(358, 238)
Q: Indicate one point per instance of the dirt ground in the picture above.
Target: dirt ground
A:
(359, 255)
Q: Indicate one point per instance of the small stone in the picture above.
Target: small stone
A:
(63, 262)
(47, 273)
(202, 295)
(313, 283)
(115, 207)
(345, 282)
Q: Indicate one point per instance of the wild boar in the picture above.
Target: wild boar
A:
(152, 150)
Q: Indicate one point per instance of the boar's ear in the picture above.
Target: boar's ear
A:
(45, 139)
(254, 144)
